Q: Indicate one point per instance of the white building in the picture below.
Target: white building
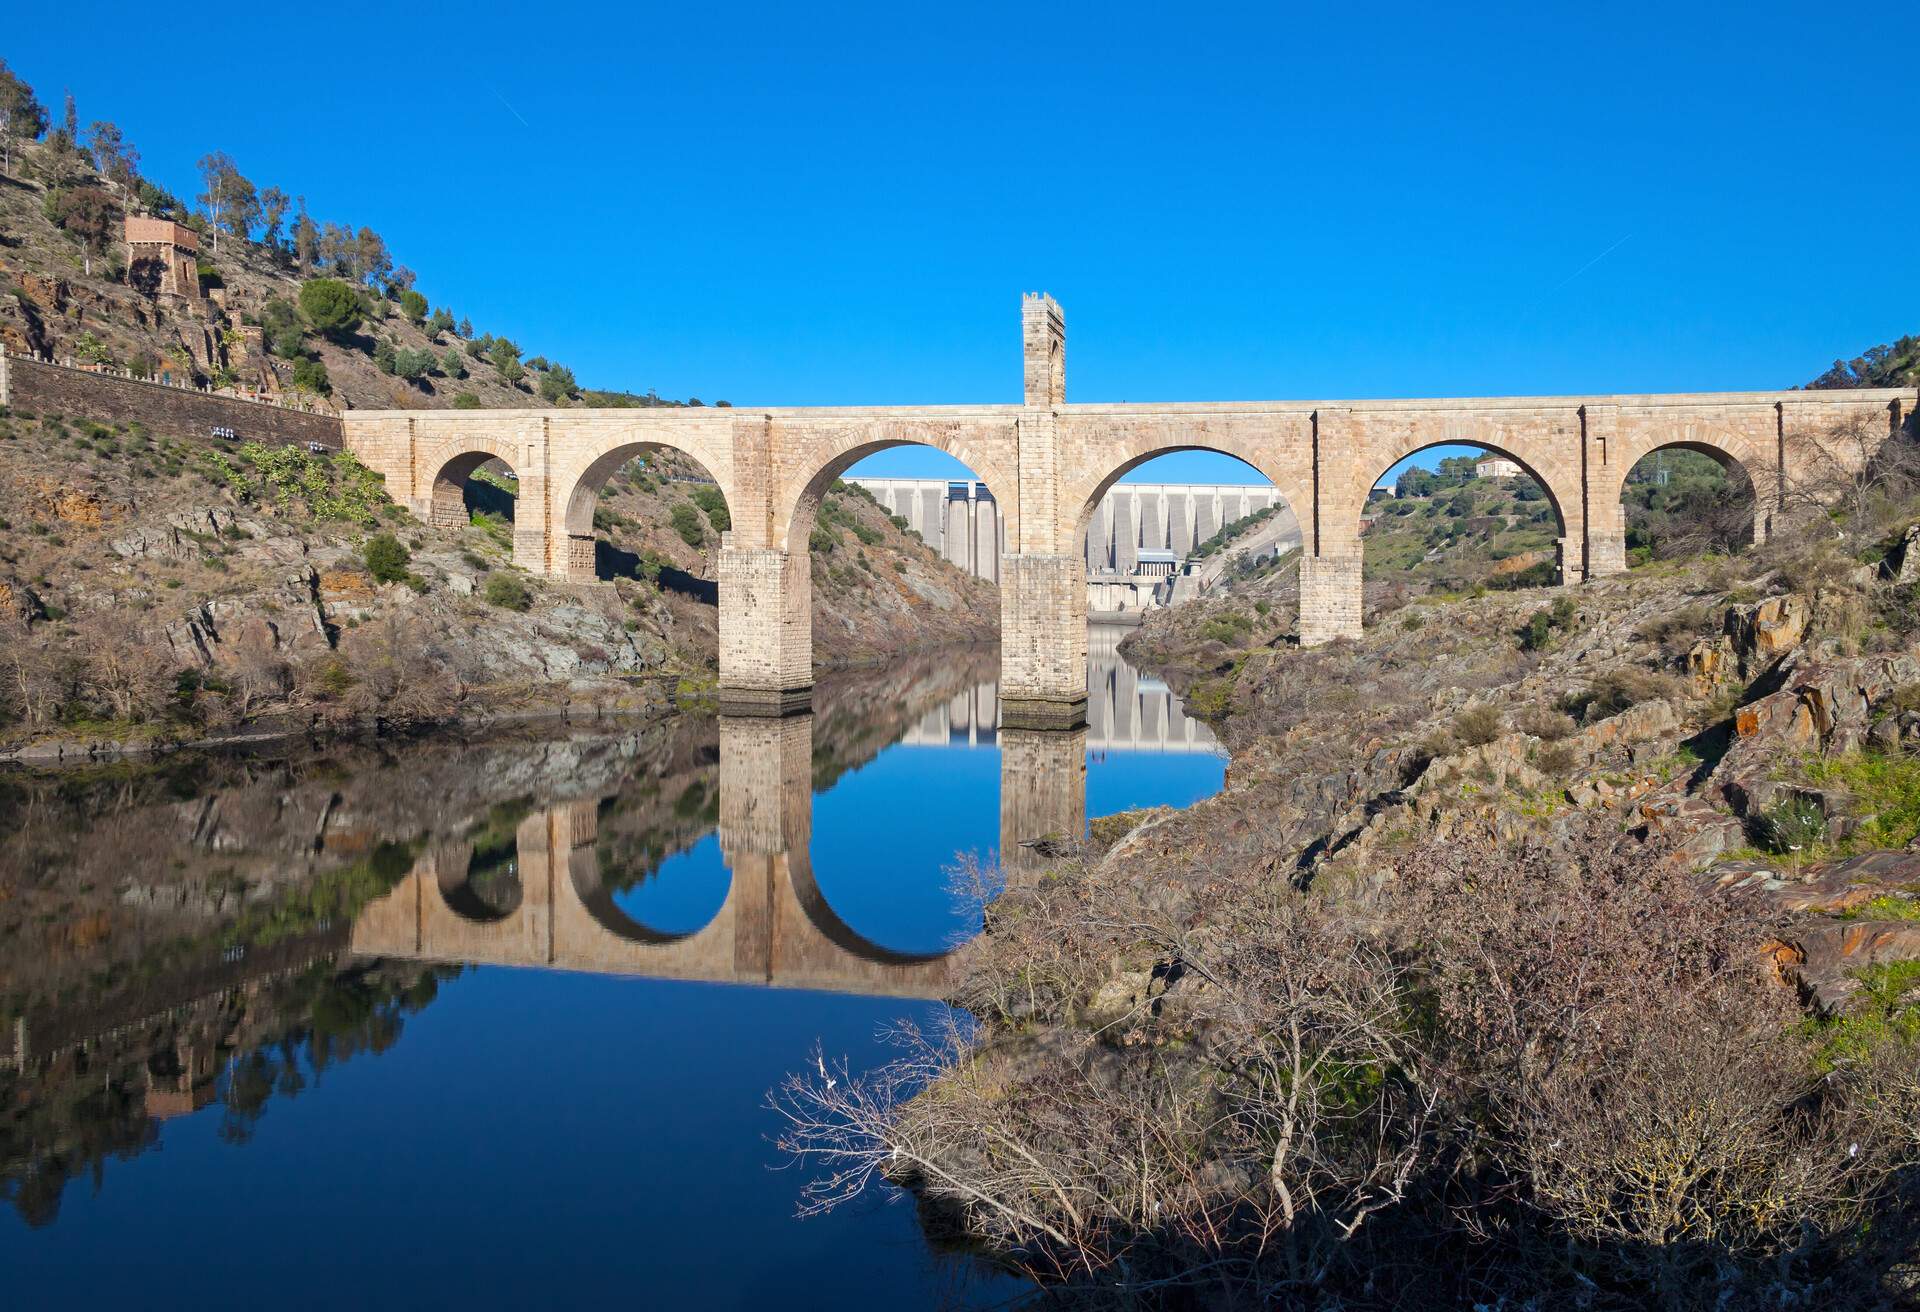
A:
(1493, 466)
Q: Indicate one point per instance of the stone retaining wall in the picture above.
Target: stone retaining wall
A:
(41, 388)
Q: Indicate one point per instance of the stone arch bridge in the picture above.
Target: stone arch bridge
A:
(1048, 463)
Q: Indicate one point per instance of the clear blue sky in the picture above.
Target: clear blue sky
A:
(841, 204)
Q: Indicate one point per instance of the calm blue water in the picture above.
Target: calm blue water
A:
(396, 1127)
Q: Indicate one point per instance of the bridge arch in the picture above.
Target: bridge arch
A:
(1568, 549)
(1356, 504)
(834, 929)
(449, 465)
(456, 878)
(1749, 457)
(830, 452)
(782, 583)
(577, 490)
(1278, 448)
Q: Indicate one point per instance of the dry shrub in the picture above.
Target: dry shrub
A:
(1641, 1079)
(1519, 1080)
(1544, 722)
(1477, 725)
(1556, 761)
(1619, 690)
(395, 674)
(103, 668)
(1682, 626)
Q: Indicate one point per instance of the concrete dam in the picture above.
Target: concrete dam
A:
(1139, 536)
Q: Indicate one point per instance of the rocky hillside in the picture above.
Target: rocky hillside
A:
(155, 586)
(1544, 949)
(365, 339)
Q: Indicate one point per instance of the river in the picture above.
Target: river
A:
(488, 1022)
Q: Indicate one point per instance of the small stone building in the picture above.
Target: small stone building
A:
(175, 249)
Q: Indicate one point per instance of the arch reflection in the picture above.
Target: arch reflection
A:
(775, 926)
(561, 889)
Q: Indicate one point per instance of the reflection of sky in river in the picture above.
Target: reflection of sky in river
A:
(885, 833)
(542, 1137)
(685, 893)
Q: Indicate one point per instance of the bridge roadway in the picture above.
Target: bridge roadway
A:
(774, 928)
(1049, 464)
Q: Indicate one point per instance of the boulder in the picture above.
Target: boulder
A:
(1710, 662)
(1826, 956)
(1903, 562)
(1766, 630)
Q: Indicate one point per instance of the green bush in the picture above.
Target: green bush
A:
(331, 306)
(557, 384)
(1231, 628)
(311, 376)
(823, 539)
(707, 496)
(413, 365)
(340, 488)
(386, 557)
(507, 591)
(1538, 632)
(1791, 826)
(453, 364)
(686, 522)
(413, 305)
(281, 327)
(465, 401)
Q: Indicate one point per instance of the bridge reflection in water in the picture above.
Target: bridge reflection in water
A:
(775, 926)
(1126, 711)
(562, 907)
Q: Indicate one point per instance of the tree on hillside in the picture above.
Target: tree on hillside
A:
(466, 328)
(155, 199)
(414, 306)
(87, 214)
(401, 280)
(413, 365)
(372, 262)
(273, 208)
(440, 322)
(1897, 365)
(22, 117)
(306, 238)
(557, 384)
(116, 159)
(281, 326)
(311, 376)
(335, 250)
(230, 201)
(331, 306)
(453, 364)
(505, 357)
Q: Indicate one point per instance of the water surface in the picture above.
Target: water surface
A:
(496, 1022)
